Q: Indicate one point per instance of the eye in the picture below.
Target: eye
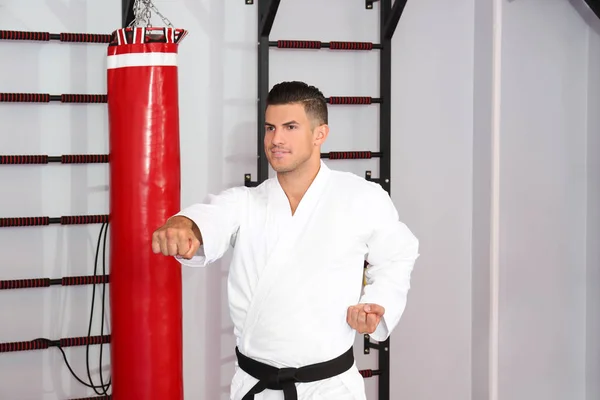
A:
(292, 127)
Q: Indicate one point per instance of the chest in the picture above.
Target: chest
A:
(329, 230)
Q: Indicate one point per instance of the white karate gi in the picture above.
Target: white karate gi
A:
(292, 278)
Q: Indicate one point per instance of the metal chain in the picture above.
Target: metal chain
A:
(142, 11)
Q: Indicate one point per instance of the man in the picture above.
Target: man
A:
(300, 241)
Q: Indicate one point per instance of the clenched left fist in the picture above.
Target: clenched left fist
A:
(364, 318)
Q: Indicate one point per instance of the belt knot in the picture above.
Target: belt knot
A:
(285, 375)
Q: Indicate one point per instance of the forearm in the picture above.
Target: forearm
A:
(388, 278)
(214, 223)
(388, 286)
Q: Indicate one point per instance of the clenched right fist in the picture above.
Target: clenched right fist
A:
(179, 236)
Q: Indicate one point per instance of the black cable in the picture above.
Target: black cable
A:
(103, 304)
(69, 365)
(87, 347)
(76, 377)
(104, 387)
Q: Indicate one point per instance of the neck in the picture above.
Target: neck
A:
(295, 183)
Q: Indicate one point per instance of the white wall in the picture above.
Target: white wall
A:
(441, 183)
(542, 201)
(593, 215)
(484, 102)
(432, 124)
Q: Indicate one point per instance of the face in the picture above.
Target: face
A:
(291, 139)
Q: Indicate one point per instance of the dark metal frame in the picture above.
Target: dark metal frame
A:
(267, 10)
(594, 5)
(389, 18)
(388, 22)
(385, 93)
(127, 15)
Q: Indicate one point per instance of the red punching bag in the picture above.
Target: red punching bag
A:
(145, 289)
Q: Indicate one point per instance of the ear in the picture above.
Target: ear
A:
(320, 134)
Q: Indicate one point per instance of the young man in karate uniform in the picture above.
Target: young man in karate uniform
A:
(299, 242)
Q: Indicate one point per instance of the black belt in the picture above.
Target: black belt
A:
(273, 378)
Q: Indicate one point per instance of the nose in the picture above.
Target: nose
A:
(277, 138)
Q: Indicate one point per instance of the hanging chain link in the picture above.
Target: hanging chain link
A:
(142, 11)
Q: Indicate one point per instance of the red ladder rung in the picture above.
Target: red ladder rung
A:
(316, 45)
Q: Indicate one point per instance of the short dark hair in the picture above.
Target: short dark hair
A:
(315, 104)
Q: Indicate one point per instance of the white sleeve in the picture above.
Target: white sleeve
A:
(218, 220)
(392, 252)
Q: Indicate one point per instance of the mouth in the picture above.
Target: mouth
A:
(279, 153)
